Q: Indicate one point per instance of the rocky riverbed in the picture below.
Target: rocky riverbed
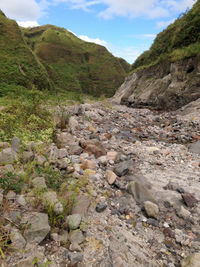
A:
(140, 203)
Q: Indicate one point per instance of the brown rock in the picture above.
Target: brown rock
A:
(88, 164)
(93, 147)
(110, 176)
(189, 200)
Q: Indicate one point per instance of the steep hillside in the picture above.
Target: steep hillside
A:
(75, 65)
(168, 75)
(18, 64)
(180, 40)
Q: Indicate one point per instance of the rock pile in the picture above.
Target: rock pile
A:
(126, 191)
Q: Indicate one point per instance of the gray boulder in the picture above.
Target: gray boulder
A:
(194, 147)
(140, 192)
(36, 227)
(8, 155)
(73, 221)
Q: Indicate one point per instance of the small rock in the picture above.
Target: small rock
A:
(75, 149)
(77, 237)
(194, 147)
(151, 209)
(39, 183)
(11, 195)
(81, 205)
(21, 200)
(192, 260)
(110, 177)
(140, 192)
(75, 257)
(27, 156)
(40, 160)
(103, 160)
(75, 247)
(1, 198)
(62, 153)
(153, 222)
(88, 164)
(189, 200)
(73, 124)
(15, 144)
(73, 221)
(18, 242)
(113, 155)
(123, 168)
(8, 156)
(50, 199)
(183, 213)
(101, 206)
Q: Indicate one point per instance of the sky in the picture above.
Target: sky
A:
(125, 27)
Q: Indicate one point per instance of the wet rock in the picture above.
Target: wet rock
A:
(36, 227)
(151, 209)
(189, 200)
(123, 168)
(77, 237)
(73, 221)
(39, 183)
(8, 156)
(101, 206)
(194, 147)
(110, 177)
(192, 260)
(140, 192)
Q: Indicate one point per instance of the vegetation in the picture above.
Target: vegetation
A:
(75, 65)
(180, 40)
(52, 58)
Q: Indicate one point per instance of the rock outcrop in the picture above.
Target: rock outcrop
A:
(167, 86)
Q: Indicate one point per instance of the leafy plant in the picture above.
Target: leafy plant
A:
(11, 181)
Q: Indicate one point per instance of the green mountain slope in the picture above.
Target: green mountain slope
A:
(18, 64)
(49, 57)
(179, 41)
(75, 65)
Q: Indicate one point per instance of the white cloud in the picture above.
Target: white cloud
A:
(93, 40)
(28, 23)
(32, 10)
(21, 9)
(164, 24)
(132, 8)
(128, 53)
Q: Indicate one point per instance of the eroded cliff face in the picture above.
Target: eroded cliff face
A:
(166, 86)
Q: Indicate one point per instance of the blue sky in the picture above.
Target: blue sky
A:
(125, 27)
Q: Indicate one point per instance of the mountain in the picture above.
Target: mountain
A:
(49, 57)
(18, 64)
(168, 75)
